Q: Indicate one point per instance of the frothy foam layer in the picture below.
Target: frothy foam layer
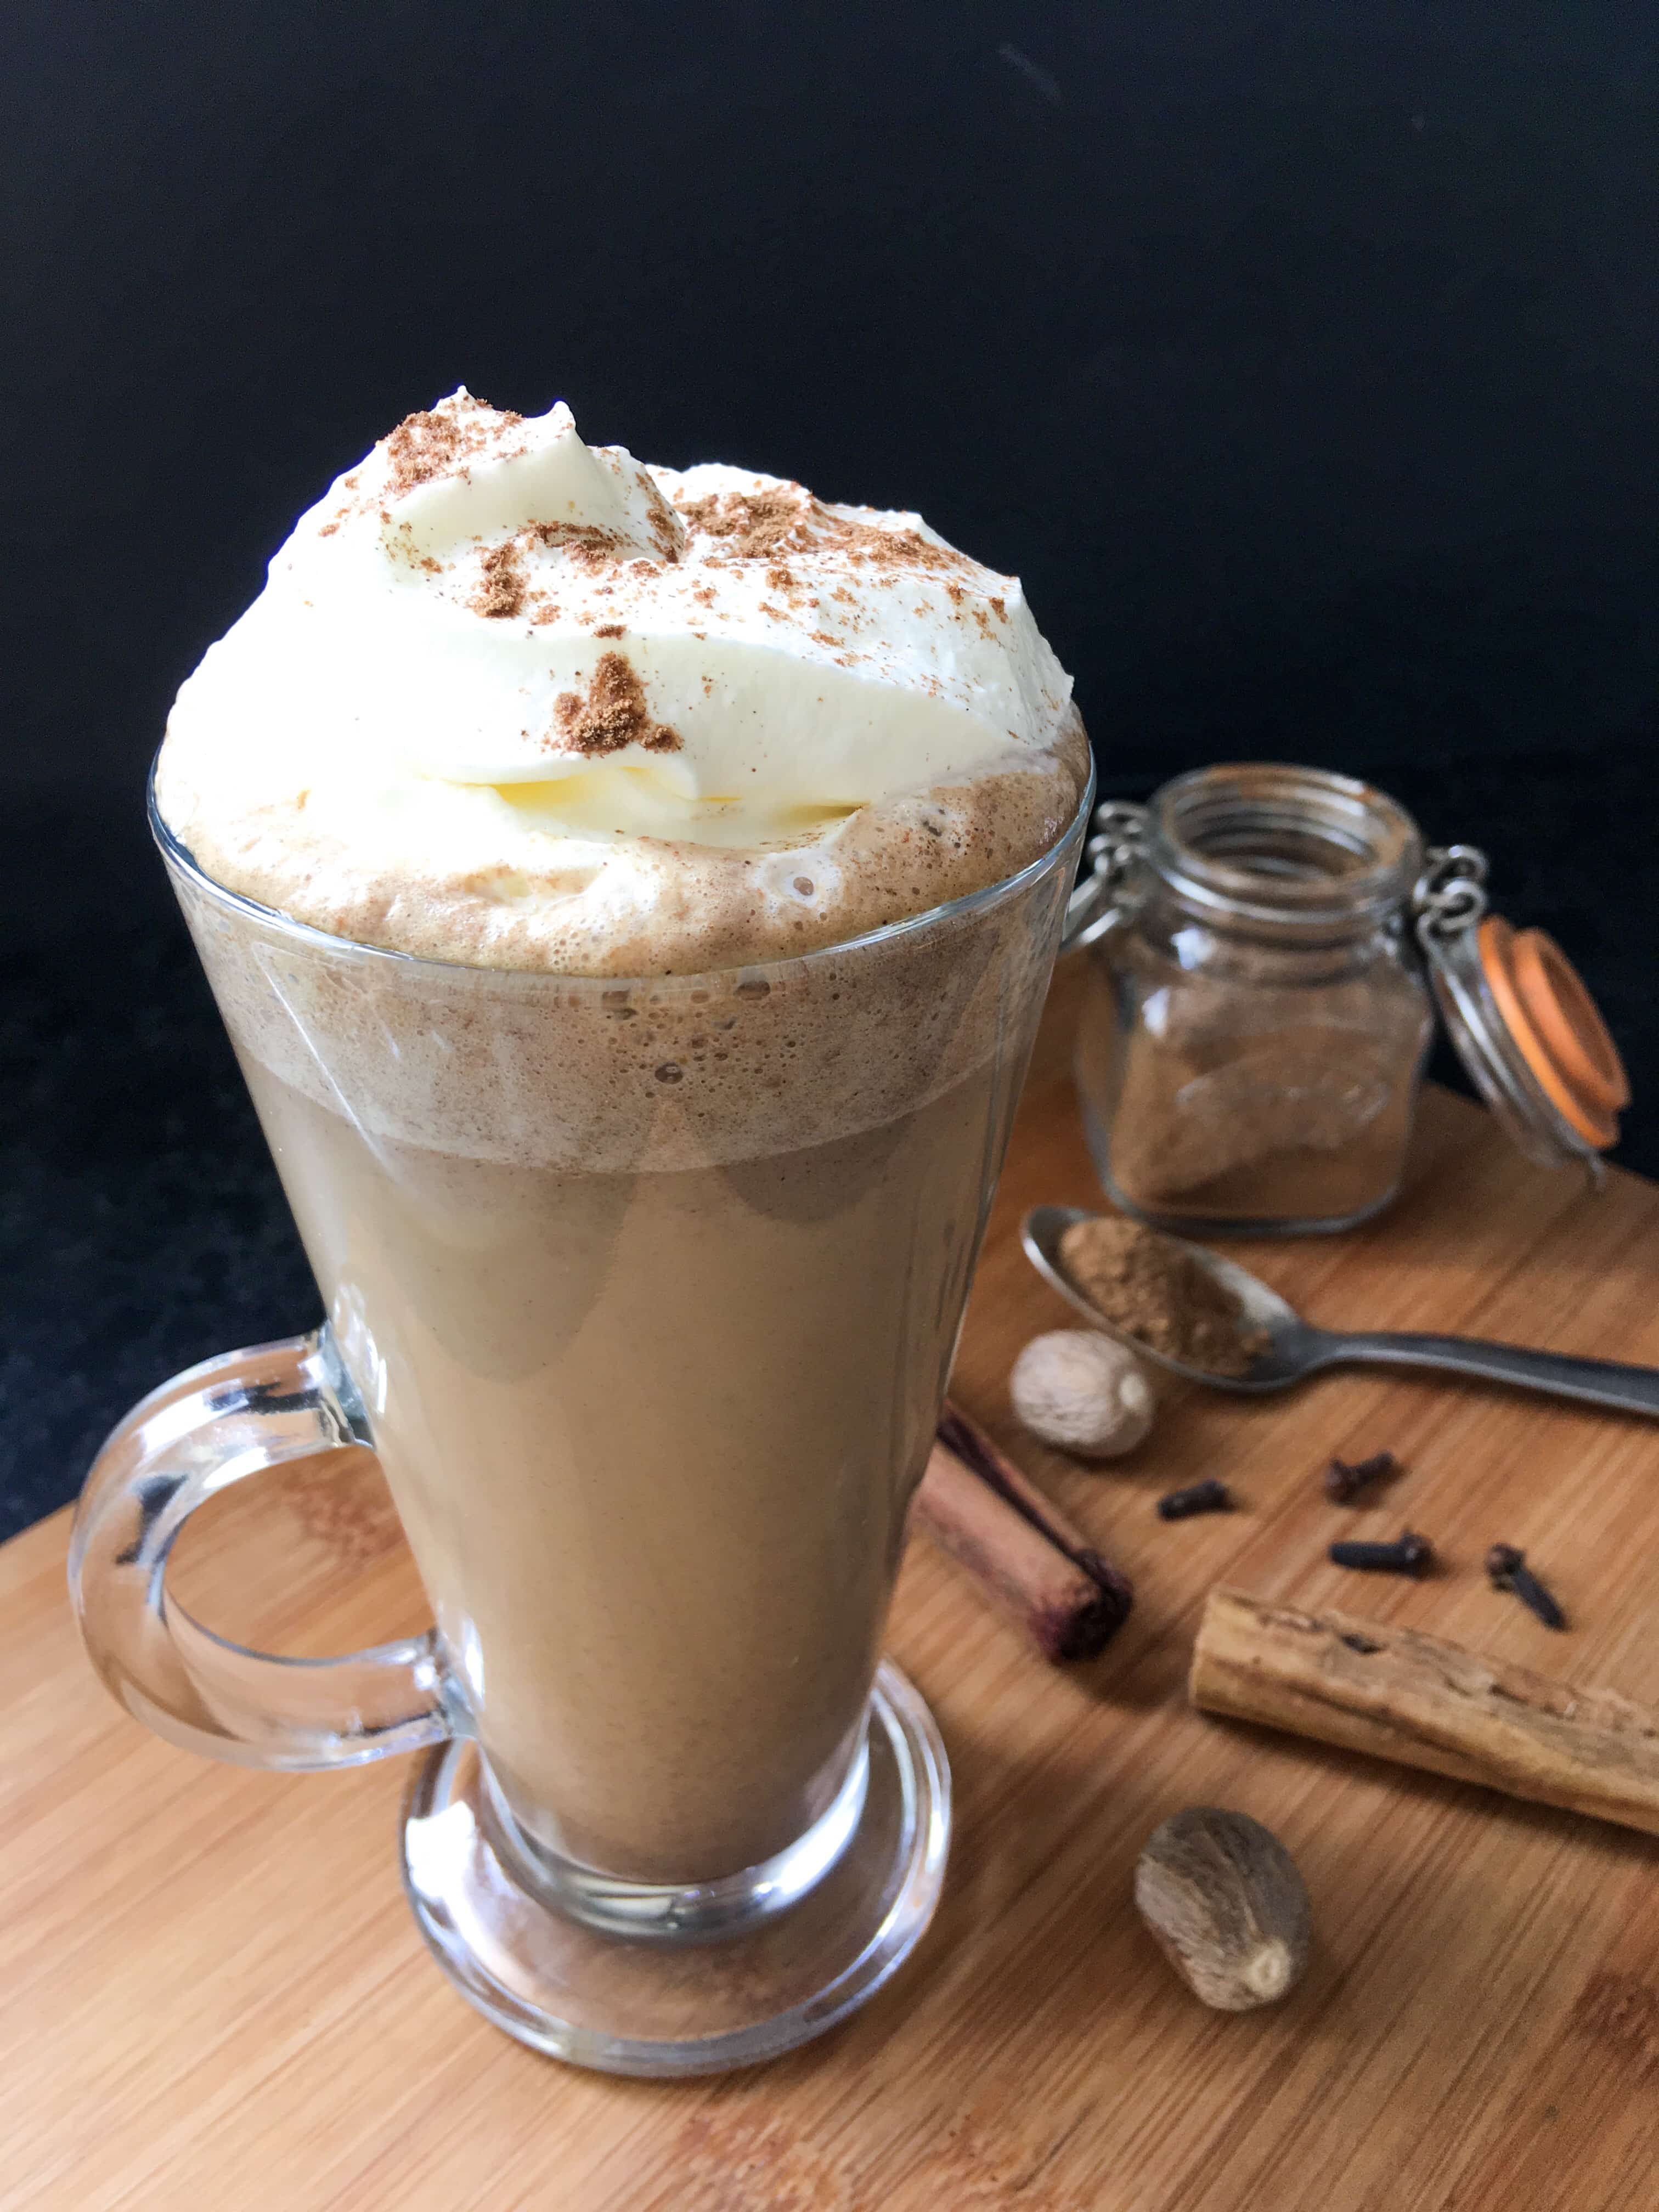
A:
(654, 1075)
(516, 702)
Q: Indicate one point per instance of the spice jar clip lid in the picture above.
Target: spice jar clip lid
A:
(1522, 1017)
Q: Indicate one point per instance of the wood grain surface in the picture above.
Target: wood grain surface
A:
(215, 1997)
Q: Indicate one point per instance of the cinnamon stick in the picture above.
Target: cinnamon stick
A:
(1030, 1562)
(1422, 1701)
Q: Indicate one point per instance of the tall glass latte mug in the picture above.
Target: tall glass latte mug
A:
(645, 1293)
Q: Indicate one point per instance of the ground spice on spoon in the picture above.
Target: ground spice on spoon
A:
(1159, 1294)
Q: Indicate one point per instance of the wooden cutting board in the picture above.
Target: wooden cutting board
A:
(215, 1998)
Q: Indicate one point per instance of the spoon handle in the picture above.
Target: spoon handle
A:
(1597, 1382)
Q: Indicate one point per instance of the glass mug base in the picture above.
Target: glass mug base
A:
(642, 1979)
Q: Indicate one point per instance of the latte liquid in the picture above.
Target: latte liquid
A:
(650, 1293)
(652, 1437)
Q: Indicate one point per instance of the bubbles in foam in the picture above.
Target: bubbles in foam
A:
(553, 1072)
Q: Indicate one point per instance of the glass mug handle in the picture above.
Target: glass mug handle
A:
(213, 1425)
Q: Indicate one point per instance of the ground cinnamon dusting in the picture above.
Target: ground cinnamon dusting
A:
(501, 593)
(591, 548)
(1157, 1292)
(426, 444)
(664, 526)
(758, 526)
(613, 715)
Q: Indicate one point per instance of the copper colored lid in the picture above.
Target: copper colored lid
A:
(1557, 1028)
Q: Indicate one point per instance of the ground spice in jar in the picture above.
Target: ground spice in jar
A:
(1215, 1123)
(1159, 1294)
(1249, 1051)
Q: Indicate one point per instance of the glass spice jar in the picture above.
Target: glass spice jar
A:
(1267, 946)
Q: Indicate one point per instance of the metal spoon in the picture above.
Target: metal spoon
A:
(1296, 1348)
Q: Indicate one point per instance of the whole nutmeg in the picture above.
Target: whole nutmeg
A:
(1224, 1898)
(1082, 1391)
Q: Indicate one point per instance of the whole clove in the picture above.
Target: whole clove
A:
(1208, 1497)
(1409, 1554)
(1344, 1480)
(1508, 1571)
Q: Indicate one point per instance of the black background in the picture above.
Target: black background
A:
(1300, 359)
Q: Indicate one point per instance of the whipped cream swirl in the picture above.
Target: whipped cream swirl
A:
(510, 699)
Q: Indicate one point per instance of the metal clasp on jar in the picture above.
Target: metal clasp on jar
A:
(1450, 894)
(1103, 896)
